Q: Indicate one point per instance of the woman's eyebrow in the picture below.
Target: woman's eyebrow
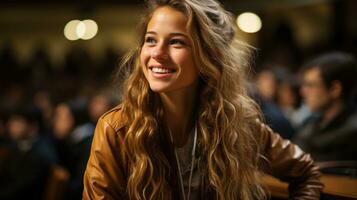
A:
(171, 34)
(151, 32)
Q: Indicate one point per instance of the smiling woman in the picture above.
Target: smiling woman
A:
(186, 128)
(166, 54)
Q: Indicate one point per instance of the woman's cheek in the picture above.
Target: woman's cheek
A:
(144, 56)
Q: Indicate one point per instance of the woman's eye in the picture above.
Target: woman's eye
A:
(150, 40)
(177, 42)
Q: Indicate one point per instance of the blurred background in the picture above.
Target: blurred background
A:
(57, 60)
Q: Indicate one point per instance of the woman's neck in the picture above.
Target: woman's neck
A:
(178, 113)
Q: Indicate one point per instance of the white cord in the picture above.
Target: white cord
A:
(193, 154)
(192, 162)
(180, 176)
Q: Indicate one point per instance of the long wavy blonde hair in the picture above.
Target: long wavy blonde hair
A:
(225, 113)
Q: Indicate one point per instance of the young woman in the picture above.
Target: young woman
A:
(186, 128)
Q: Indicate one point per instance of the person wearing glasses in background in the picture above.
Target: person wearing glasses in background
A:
(329, 91)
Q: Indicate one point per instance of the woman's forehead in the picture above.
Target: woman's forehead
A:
(167, 19)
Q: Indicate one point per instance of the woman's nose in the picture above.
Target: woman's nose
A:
(159, 52)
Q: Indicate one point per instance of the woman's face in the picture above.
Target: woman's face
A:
(166, 55)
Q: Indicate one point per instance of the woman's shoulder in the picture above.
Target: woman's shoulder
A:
(114, 118)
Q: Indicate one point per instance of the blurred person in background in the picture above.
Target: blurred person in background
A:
(73, 128)
(290, 102)
(11, 70)
(42, 100)
(267, 84)
(73, 136)
(186, 127)
(265, 93)
(25, 167)
(329, 86)
(98, 105)
(13, 97)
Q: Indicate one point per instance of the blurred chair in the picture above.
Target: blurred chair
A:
(336, 187)
(56, 184)
(344, 168)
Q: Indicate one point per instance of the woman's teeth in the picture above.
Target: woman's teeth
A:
(161, 70)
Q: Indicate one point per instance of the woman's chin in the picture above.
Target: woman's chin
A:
(159, 88)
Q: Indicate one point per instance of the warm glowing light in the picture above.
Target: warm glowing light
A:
(76, 29)
(80, 29)
(249, 22)
(70, 30)
(91, 29)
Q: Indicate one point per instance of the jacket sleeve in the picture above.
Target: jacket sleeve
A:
(287, 162)
(104, 175)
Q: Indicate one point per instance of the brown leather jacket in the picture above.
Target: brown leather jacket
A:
(106, 173)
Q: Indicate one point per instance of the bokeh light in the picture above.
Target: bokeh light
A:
(91, 29)
(70, 30)
(76, 29)
(249, 22)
